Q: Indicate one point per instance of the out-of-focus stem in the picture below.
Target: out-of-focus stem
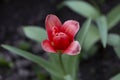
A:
(61, 63)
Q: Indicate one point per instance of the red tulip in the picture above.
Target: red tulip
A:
(61, 37)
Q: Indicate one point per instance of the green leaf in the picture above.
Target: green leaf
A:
(68, 77)
(68, 61)
(54, 58)
(45, 64)
(91, 38)
(35, 33)
(117, 50)
(71, 64)
(113, 17)
(117, 77)
(83, 8)
(55, 78)
(93, 35)
(83, 31)
(114, 40)
(102, 27)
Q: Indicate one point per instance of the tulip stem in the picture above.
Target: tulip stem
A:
(61, 63)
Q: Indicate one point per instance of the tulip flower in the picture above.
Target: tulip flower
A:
(61, 36)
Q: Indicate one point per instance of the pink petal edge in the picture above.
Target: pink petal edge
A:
(73, 49)
(47, 46)
(71, 27)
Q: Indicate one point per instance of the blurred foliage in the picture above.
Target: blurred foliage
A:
(83, 8)
(4, 63)
(99, 31)
(41, 75)
(54, 70)
(24, 45)
(104, 22)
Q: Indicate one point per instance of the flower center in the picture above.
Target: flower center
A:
(54, 30)
(60, 41)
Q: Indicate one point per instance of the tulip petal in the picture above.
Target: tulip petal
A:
(50, 22)
(70, 27)
(47, 46)
(73, 49)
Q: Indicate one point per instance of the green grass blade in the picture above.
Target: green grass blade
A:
(45, 64)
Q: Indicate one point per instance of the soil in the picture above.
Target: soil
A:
(14, 14)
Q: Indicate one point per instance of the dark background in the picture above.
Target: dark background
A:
(14, 14)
